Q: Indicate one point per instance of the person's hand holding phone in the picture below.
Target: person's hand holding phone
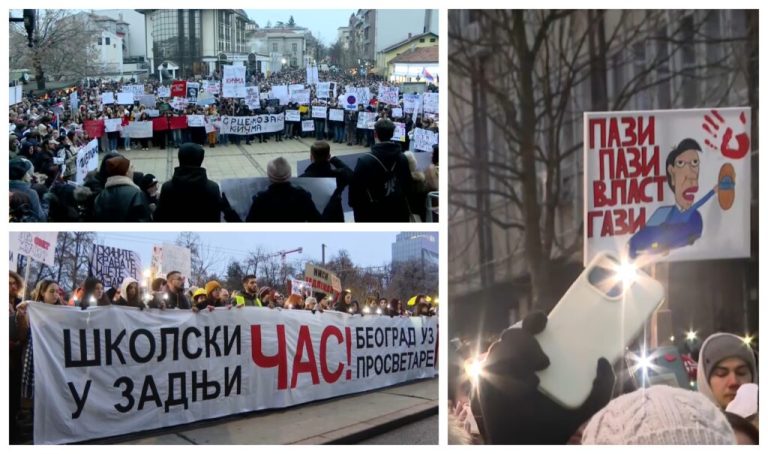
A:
(507, 403)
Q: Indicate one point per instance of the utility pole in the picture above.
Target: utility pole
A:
(323, 246)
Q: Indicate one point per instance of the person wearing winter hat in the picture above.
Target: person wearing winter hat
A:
(121, 200)
(149, 186)
(20, 181)
(267, 296)
(213, 294)
(282, 201)
(725, 363)
(659, 415)
(190, 196)
(129, 294)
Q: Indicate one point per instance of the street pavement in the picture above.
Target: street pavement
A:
(421, 432)
(232, 161)
(342, 420)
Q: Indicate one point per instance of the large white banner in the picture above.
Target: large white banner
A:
(233, 85)
(112, 370)
(87, 160)
(668, 185)
(255, 124)
(39, 246)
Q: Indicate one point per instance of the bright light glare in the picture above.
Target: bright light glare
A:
(473, 368)
(747, 339)
(366, 310)
(671, 338)
(626, 272)
(378, 311)
(690, 336)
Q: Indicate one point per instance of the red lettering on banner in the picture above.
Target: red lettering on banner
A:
(328, 376)
(278, 360)
(302, 367)
(42, 243)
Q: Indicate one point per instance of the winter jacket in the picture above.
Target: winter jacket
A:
(34, 200)
(368, 186)
(120, 201)
(177, 301)
(283, 202)
(189, 197)
(335, 168)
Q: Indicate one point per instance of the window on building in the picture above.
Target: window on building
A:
(106, 41)
(421, 40)
(274, 47)
(98, 41)
(432, 40)
(294, 47)
(294, 61)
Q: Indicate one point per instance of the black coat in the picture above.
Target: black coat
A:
(368, 185)
(177, 301)
(189, 197)
(335, 168)
(283, 202)
(121, 201)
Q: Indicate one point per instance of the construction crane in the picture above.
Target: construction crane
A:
(282, 254)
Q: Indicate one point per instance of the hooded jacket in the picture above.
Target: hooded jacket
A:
(121, 201)
(368, 182)
(283, 202)
(189, 197)
(123, 301)
(716, 348)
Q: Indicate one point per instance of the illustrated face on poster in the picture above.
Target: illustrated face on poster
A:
(651, 178)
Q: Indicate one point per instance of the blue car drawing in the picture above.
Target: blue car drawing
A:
(664, 232)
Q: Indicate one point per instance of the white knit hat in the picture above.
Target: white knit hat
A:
(659, 415)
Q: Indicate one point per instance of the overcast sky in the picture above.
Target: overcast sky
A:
(365, 248)
(323, 23)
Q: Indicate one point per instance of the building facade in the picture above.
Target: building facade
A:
(422, 246)
(629, 60)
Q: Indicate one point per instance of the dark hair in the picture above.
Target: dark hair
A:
(435, 154)
(248, 277)
(742, 425)
(320, 150)
(157, 283)
(40, 289)
(343, 295)
(384, 129)
(685, 145)
(168, 276)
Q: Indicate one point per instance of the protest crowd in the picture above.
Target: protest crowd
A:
(494, 396)
(71, 149)
(169, 293)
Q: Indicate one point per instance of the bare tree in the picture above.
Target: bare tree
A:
(63, 46)
(71, 259)
(205, 259)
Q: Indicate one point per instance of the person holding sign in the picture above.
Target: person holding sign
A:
(282, 201)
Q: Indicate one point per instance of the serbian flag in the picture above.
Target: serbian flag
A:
(427, 75)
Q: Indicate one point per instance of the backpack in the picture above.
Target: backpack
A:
(389, 196)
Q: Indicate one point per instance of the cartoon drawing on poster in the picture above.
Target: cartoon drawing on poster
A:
(647, 203)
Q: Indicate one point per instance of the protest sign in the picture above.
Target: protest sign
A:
(160, 124)
(301, 288)
(292, 115)
(139, 129)
(233, 84)
(205, 99)
(336, 115)
(113, 124)
(300, 96)
(178, 122)
(399, 135)
(294, 87)
(668, 185)
(179, 103)
(397, 112)
(136, 89)
(179, 89)
(240, 191)
(252, 97)
(255, 124)
(87, 160)
(321, 279)
(153, 112)
(94, 128)
(73, 101)
(431, 102)
(248, 359)
(366, 120)
(111, 265)
(423, 139)
(308, 125)
(164, 92)
(312, 76)
(319, 112)
(411, 103)
(15, 95)
(211, 87)
(171, 257)
(193, 88)
(280, 92)
(147, 100)
(38, 246)
(389, 95)
(124, 98)
(108, 97)
(326, 90)
(195, 121)
(350, 101)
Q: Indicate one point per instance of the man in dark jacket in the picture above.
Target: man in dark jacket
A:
(190, 196)
(282, 201)
(176, 298)
(121, 200)
(325, 166)
(20, 173)
(381, 180)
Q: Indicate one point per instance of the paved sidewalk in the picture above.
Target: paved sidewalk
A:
(232, 161)
(340, 420)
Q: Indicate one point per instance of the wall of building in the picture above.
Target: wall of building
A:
(136, 38)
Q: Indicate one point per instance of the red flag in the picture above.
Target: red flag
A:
(94, 128)
(179, 122)
(179, 88)
(160, 124)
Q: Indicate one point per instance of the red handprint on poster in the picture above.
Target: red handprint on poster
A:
(732, 145)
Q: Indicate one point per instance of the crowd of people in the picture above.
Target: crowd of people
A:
(46, 134)
(494, 397)
(171, 292)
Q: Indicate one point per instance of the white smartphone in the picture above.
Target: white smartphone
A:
(602, 311)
